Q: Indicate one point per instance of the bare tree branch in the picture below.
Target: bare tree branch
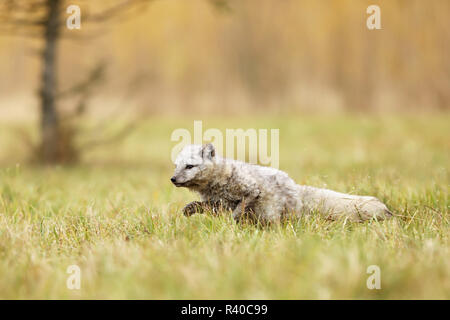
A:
(114, 138)
(25, 22)
(114, 11)
(96, 74)
(12, 32)
(222, 5)
(16, 12)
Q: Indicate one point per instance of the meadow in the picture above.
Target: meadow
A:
(117, 216)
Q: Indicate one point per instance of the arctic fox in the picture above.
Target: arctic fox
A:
(264, 193)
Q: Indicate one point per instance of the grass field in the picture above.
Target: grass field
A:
(117, 216)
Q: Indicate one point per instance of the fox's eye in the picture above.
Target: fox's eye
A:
(189, 166)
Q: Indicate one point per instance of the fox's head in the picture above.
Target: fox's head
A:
(194, 165)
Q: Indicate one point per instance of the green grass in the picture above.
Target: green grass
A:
(118, 218)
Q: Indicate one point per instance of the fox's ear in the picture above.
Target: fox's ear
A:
(208, 151)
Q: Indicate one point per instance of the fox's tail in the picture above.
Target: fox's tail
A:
(335, 205)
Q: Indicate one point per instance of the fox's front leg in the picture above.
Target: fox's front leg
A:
(242, 205)
(201, 207)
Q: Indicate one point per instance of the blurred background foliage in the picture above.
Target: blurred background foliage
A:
(189, 57)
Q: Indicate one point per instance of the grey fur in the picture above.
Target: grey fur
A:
(265, 193)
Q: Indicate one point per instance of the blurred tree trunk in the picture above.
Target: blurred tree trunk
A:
(44, 19)
(50, 134)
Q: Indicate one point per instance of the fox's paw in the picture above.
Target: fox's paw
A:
(371, 208)
(192, 208)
